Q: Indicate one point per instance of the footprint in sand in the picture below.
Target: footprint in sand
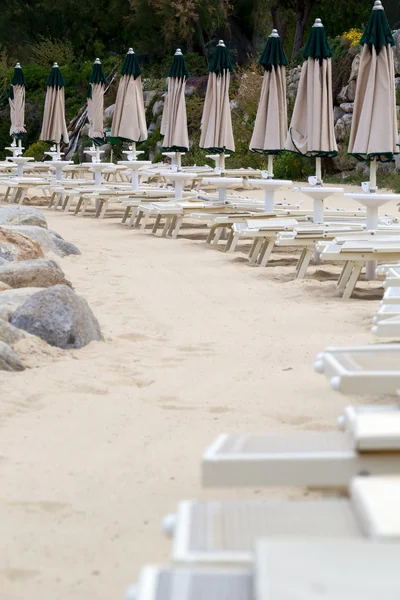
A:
(43, 506)
(18, 574)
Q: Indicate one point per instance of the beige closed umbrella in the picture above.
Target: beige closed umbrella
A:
(270, 128)
(129, 119)
(54, 128)
(16, 99)
(216, 123)
(311, 132)
(95, 104)
(374, 132)
(174, 120)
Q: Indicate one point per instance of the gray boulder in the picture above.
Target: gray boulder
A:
(351, 91)
(109, 113)
(148, 97)
(10, 334)
(49, 240)
(347, 107)
(9, 360)
(396, 51)
(58, 316)
(40, 272)
(10, 300)
(355, 66)
(20, 215)
(340, 130)
(158, 107)
(17, 246)
(337, 113)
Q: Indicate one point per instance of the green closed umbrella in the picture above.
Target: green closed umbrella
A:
(174, 120)
(16, 99)
(95, 103)
(216, 123)
(311, 132)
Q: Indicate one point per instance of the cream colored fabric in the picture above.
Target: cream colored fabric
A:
(374, 125)
(174, 119)
(95, 106)
(216, 122)
(54, 128)
(312, 129)
(17, 110)
(129, 120)
(270, 128)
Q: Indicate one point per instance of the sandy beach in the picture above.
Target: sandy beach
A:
(99, 444)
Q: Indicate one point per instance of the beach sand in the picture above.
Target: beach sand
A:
(101, 443)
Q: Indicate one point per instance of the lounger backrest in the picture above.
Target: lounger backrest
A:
(376, 502)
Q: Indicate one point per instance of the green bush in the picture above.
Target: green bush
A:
(290, 165)
(37, 150)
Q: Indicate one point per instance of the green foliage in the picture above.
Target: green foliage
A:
(47, 51)
(150, 145)
(293, 166)
(37, 150)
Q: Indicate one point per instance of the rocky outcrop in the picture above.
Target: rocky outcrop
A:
(11, 299)
(58, 316)
(10, 334)
(32, 273)
(15, 246)
(49, 241)
(19, 215)
(9, 360)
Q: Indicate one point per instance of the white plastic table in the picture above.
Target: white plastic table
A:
(223, 184)
(269, 186)
(21, 161)
(318, 194)
(133, 166)
(372, 201)
(97, 169)
(58, 164)
(179, 179)
(15, 150)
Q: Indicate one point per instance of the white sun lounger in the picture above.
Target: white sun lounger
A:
(307, 458)
(170, 583)
(386, 311)
(391, 295)
(16, 189)
(223, 532)
(332, 569)
(388, 328)
(362, 370)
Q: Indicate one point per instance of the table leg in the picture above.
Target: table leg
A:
(318, 216)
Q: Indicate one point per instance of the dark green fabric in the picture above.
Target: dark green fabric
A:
(273, 55)
(89, 91)
(18, 136)
(317, 45)
(377, 32)
(97, 74)
(383, 157)
(224, 150)
(220, 61)
(55, 79)
(174, 149)
(178, 67)
(11, 92)
(131, 66)
(267, 152)
(98, 141)
(18, 78)
(120, 140)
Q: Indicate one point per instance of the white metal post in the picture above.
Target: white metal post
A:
(270, 166)
(372, 175)
(318, 170)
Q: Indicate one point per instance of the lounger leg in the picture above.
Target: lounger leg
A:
(345, 275)
(255, 250)
(166, 226)
(307, 256)
(145, 221)
(65, 202)
(135, 211)
(126, 214)
(22, 194)
(352, 281)
(267, 251)
(178, 225)
(172, 226)
(52, 199)
(78, 205)
(234, 243)
(85, 205)
(156, 224)
(8, 190)
(211, 235)
(229, 241)
(137, 218)
(104, 209)
(217, 236)
(68, 203)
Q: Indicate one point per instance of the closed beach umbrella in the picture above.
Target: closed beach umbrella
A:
(174, 119)
(16, 99)
(129, 120)
(373, 133)
(95, 103)
(216, 123)
(311, 132)
(270, 128)
(54, 128)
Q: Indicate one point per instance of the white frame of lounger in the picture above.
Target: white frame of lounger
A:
(148, 579)
(333, 469)
(388, 328)
(346, 381)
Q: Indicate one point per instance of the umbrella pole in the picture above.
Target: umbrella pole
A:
(134, 150)
(222, 162)
(178, 161)
(372, 175)
(318, 170)
(270, 166)
(19, 143)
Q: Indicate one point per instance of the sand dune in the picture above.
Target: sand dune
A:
(98, 445)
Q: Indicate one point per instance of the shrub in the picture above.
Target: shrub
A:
(37, 150)
(290, 165)
(48, 50)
